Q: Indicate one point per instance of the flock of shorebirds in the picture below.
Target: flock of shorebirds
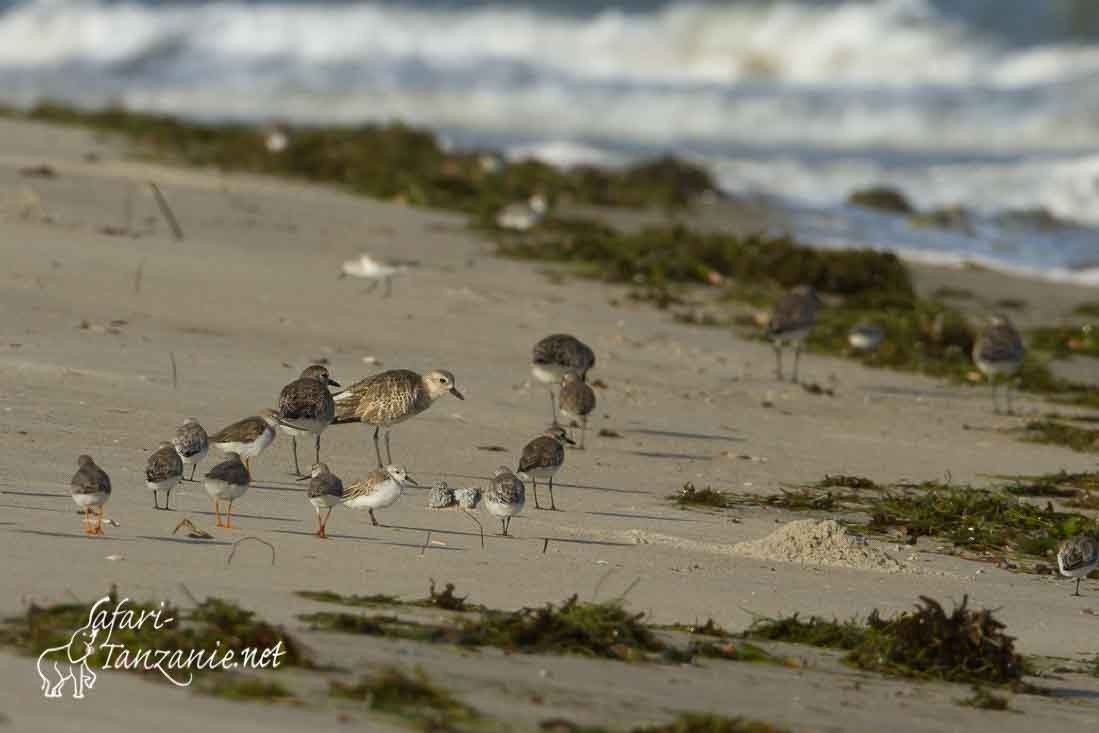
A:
(307, 407)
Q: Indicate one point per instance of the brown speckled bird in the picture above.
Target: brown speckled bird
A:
(163, 472)
(306, 407)
(543, 457)
(999, 352)
(557, 355)
(577, 401)
(91, 487)
(792, 318)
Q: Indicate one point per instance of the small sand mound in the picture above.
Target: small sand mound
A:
(819, 542)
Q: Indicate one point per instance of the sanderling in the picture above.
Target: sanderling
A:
(227, 481)
(577, 401)
(325, 491)
(163, 472)
(306, 407)
(1077, 557)
(556, 355)
(505, 497)
(91, 487)
(377, 271)
(523, 216)
(441, 496)
(249, 437)
(386, 399)
(865, 336)
(998, 352)
(543, 457)
(381, 488)
(791, 320)
(191, 443)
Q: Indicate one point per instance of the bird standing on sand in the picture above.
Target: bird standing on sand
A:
(325, 491)
(505, 497)
(999, 352)
(380, 489)
(557, 355)
(306, 407)
(377, 271)
(523, 216)
(865, 336)
(543, 457)
(191, 443)
(791, 319)
(163, 472)
(91, 487)
(1077, 557)
(392, 397)
(227, 481)
(249, 437)
(577, 401)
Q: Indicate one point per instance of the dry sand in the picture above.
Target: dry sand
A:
(251, 296)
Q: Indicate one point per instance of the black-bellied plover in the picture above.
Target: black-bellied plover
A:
(325, 491)
(792, 318)
(392, 397)
(306, 408)
(557, 355)
(163, 472)
(865, 336)
(380, 489)
(999, 352)
(91, 487)
(192, 444)
(248, 437)
(227, 481)
(543, 457)
(505, 497)
(1077, 557)
(577, 401)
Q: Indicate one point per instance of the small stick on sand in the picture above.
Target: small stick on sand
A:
(478, 522)
(187, 592)
(426, 543)
(137, 276)
(233, 552)
(166, 210)
(545, 545)
(172, 358)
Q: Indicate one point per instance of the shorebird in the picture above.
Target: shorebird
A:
(523, 216)
(325, 491)
(191, 443)
(91, 487)
(306, 407)
(1077, 557)
(556, 355)
(577, 401)
(247, 438)
(791, 319)
(392, 397)
(865, 336)
(543, 457)
(163, 472)
(227, 481)
(505, 497)
(998, 352)
(380, 489)
(377, 271)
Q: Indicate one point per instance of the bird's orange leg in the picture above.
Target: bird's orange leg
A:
(324, 524)
(229, 515)
(87, 520)
(99, 521)
(217, 513)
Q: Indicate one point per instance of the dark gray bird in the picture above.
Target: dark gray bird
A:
(577, 401)
(792, 318)
(999, 352)
(505, 497)
(91, 487)
(227, 481)
(192, 444)
(306, 407)
(163, 472)
(556, 355)
(543, 457)
(325, 491)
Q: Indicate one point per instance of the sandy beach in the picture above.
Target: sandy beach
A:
(99, 299)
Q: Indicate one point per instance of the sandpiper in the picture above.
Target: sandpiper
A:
(191, 443)
(543, 457)
(325, 491)
(998, 352)
(163, 472)
(248, 437)
(523, 216)
(392, 397)
(1077, 557)
(577, 401)
(380, 489)
(505, 497)
(306, 407)
(91, 487)
(227, 481)
(865, 336)
(556, 355)
(377, 271)
(791, 319)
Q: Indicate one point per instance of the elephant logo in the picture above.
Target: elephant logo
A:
(69, 662)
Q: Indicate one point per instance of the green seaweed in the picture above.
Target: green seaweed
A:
(1065, 341)
(1053, 432)
(815, 631)
(244, 687)
(689, 495)
(413, 698)
(324, 596)
(984, 700)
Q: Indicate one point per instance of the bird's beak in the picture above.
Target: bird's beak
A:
(569, 440)
(332, 382)
(454, 391)
(410, 480)
(303, 478)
